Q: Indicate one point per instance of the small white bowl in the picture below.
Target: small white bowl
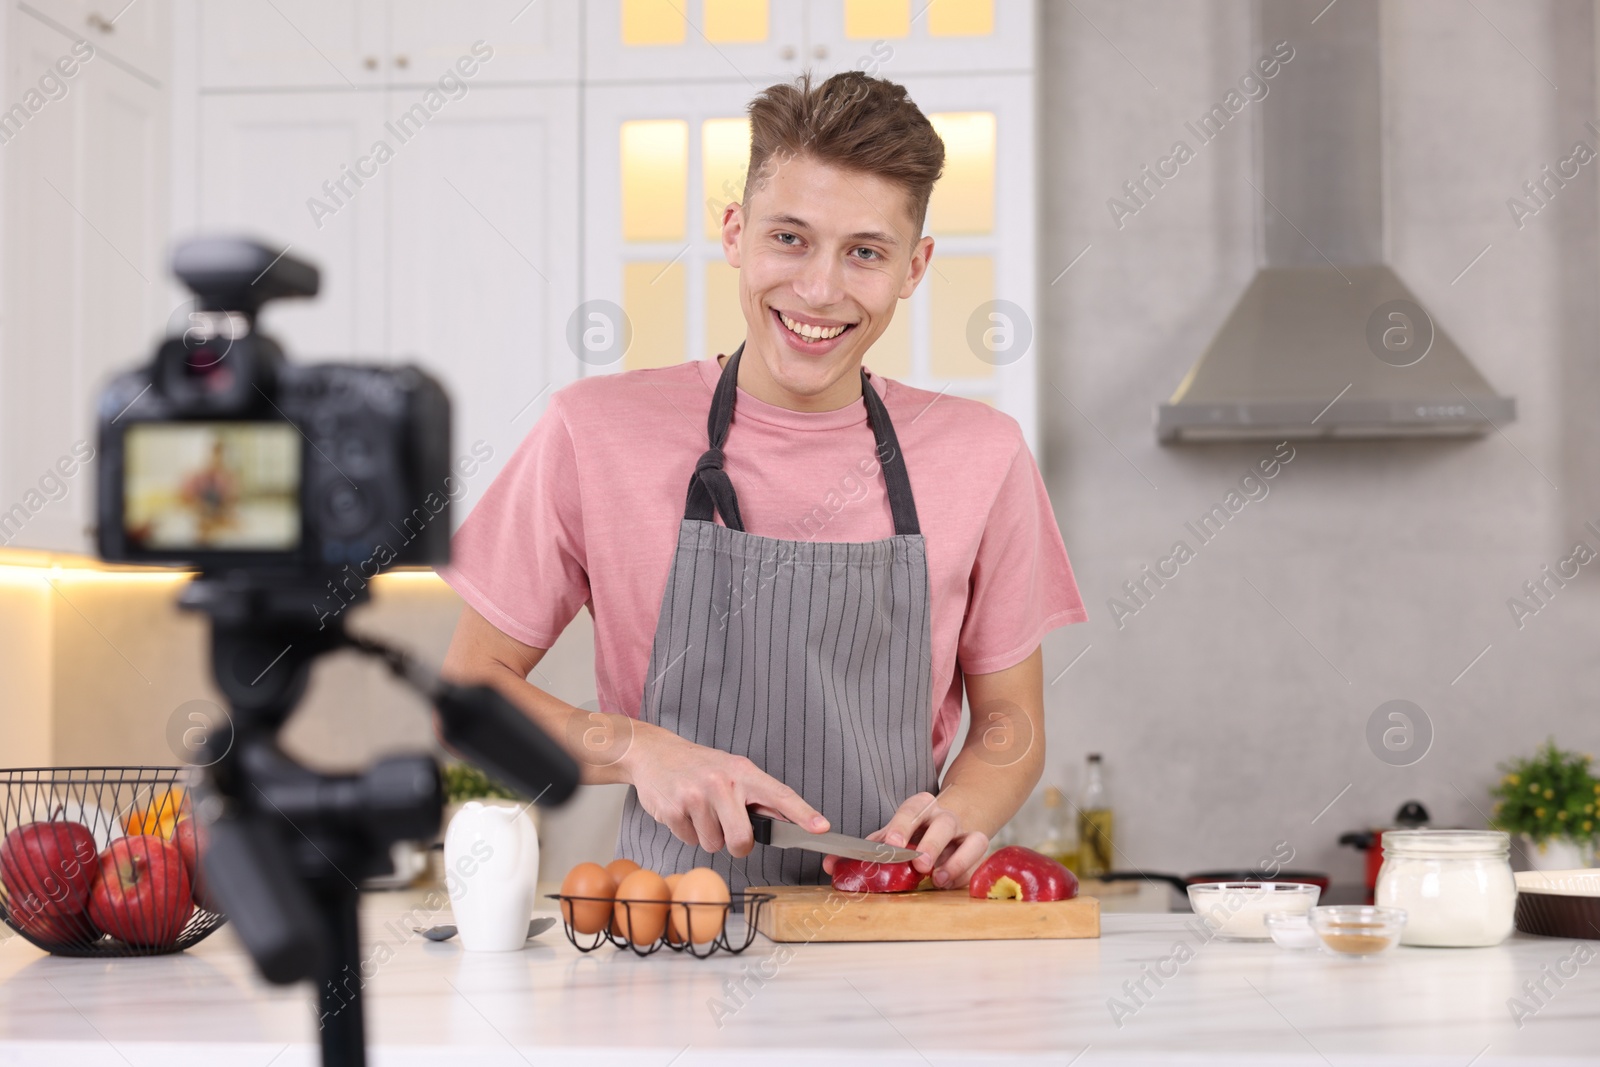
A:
(1235, 911)
(1290, 929)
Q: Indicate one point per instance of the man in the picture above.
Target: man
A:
(853, 552)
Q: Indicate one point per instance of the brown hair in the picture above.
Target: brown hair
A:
(853, 121)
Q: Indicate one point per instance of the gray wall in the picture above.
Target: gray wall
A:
(1230, 716)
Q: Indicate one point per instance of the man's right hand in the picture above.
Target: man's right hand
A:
(701, 794)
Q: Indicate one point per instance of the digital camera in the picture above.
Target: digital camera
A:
(222, 455)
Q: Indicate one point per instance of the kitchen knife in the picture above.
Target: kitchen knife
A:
(781, 834)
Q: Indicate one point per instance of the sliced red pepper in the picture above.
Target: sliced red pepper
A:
(1017, 873)
(870, 876)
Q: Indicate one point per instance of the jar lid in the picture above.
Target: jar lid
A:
(1446, 842)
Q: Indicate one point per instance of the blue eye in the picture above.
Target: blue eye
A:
(787, 237)
(869, 253)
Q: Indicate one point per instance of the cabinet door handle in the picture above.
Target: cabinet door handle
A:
(820, 51)
(786, 53)
(371, 62)
(99, 22)
(402, 62)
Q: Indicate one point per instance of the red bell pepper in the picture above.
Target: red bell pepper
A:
(1017, 873)
(870, 876)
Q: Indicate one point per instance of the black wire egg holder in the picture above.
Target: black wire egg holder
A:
(682, 912)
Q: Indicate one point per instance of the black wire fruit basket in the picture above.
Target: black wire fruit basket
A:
(102, 861)
(686, 925)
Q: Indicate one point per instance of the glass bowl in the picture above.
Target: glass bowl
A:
(1235, 911)
(1290, 929)
(1357, 930)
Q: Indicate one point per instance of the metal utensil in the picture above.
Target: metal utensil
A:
(781, 834)
(446, 931)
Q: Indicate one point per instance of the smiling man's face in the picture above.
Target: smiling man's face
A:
(824, 254)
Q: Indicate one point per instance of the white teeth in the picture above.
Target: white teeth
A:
(809, 332)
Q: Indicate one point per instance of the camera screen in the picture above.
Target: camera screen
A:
(216, 486)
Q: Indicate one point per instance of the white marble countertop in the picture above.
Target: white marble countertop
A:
(996, 1002)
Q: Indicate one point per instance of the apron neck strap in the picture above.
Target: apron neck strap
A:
(711, 492)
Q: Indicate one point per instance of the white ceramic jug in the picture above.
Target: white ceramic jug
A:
(491, 855)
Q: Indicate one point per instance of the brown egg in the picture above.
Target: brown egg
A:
(674, 931)
(587, 880)
(621, 867)
(703, 897)
(643, 919)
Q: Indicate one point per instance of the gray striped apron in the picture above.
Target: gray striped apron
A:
(811, 658)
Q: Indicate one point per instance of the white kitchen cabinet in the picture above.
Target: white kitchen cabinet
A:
(124, 261)
(1010, 380)
(534, 42)
(481, 261)
(36, 369)
(684, 254)
(136, 37)
(85, 181)
(363, 44)
(899, 38)
(758, 42)
(258, 44)
(456, 253)
(753, 42)
(266, 164)
(459, 250)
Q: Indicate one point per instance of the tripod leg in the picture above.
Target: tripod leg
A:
(339, 1003)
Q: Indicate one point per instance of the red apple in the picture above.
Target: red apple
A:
(190, 839)
(58, 931)
(48, 868)
(141, 894)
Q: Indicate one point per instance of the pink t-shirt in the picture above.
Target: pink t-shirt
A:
(586, 513)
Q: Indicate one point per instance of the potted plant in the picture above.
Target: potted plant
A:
(1549, 800)
(464, 782)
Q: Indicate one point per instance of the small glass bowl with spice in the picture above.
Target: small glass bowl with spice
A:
(1357, 930)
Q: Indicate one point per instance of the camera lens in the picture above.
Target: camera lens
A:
(357, 455)
(346, 510)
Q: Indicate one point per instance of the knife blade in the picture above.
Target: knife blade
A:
(781, 834)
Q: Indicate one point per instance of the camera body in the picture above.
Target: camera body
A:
(221, 454)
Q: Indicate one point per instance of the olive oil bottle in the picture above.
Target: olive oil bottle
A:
(1059, 834)
(1096, 850)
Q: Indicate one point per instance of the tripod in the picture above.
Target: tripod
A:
(287, 846)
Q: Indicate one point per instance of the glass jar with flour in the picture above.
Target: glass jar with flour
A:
(1455, 885)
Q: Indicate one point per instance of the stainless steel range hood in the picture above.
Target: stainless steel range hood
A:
(1327, 341)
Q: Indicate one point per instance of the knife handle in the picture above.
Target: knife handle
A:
(761, 825)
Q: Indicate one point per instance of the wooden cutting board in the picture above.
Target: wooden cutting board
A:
(821, 913)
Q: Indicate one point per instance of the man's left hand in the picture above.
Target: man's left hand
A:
(950, 853)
